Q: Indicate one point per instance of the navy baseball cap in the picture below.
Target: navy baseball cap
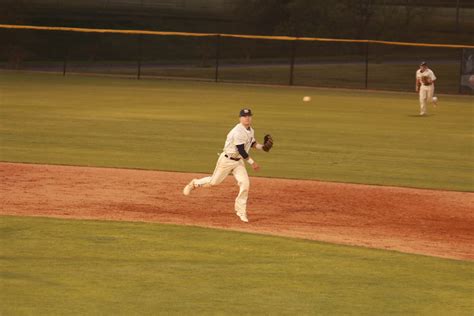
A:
(245, 112)
(423, 63)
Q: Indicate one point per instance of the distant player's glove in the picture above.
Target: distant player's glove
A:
(267, 142)
(426, 80)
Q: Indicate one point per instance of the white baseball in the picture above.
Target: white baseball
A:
(306, 98)
(435, 99)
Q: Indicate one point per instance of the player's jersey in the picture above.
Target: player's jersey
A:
(237, 136)
(427, 73)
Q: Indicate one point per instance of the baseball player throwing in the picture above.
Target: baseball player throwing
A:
(425, 79)
(231, 161)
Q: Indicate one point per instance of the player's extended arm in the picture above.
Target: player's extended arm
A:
(432, 77)
(267, 143)
(257, 145)
(246, 157)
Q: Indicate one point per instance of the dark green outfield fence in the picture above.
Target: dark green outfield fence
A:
(233, 58)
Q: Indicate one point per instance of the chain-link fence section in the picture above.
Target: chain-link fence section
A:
(212, 57)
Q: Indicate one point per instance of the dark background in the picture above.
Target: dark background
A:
(398, 20)
(437, 21)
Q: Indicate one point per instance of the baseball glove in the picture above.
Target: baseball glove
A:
(426, 80)
(267, 142)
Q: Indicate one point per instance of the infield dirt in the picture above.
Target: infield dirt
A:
(429, 222)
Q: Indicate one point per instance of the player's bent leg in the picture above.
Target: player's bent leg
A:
(434, 100)
(203, 182)
(222, 170)
(423, 96)
(217, 177)
(241, 175)
(430, 96)
(429, 93)
(189, 187)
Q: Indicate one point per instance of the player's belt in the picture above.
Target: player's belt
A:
(427, 84)
(232, 158)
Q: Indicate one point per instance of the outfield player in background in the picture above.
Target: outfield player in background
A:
(425, 79)
(231, 161)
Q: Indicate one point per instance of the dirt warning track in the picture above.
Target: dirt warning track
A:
(436, 223)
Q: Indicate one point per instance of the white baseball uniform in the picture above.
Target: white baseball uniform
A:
(231, 162)
(426, 90)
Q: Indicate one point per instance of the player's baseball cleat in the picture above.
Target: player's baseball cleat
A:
(243, 217)
(189, 187)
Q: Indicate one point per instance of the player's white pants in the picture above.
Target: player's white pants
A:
(426, 95)
(224, 167)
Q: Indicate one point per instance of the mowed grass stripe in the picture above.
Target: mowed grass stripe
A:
(52, 266)
(341, 135)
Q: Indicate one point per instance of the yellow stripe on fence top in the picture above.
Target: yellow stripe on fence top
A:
(89, 30)
(264, 37)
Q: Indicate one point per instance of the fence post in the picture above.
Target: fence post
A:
(461, 68)
(292, 61)
(139, 57)
(218, 49)
(66, 53)
(366, 65)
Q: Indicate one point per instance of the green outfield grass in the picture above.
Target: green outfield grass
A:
(60, 267)
(342, 135)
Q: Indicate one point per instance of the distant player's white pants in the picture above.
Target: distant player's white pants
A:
(224, 167)
(426, 95)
